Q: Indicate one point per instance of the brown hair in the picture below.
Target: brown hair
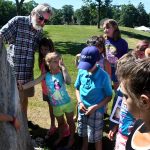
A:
(47, 43)
(114, 24)
(97, 41)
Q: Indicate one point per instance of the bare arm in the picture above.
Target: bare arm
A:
(34, 82)
(65, 73)
(7, 118)
(4, 117)
(81, 105)
(93, 108)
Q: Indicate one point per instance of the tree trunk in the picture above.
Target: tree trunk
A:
(10, 104)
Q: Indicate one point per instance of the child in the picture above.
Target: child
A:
(135, 86)
(115, 46)
(141, 48)
(11, 119)
(126, 120)
(56, 78)
(45, 46)
(99, 42)
(93, 92)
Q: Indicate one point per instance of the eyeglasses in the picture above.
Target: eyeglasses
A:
(41, 18)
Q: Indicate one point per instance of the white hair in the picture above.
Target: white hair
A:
(42, 8)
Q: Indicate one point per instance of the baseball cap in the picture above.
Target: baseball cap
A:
(89, 56)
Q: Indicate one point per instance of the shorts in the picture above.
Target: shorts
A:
(45, 97)
(91, 126)
(121, 141)
(61, 110)
(29, 92)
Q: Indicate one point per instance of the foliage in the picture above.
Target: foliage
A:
(68, 12)
(128, 15)
(57, 18)
(28, 7)
(7, 11)
(91, 13)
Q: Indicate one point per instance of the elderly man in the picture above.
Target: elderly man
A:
(23, 34)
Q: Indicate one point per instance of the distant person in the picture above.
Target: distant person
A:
(93, 92)
(23, 34)
(116, 46)
(13, 120)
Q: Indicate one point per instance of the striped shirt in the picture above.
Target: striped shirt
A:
(23, 39)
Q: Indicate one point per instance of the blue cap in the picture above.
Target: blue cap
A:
(89, 56)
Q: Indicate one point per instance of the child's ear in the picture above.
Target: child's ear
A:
(144, 102)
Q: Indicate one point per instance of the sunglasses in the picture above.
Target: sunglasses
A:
(41, 18)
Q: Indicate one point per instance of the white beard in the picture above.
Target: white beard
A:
(34, 23)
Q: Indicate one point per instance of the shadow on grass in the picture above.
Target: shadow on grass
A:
(48, 144)
(135, 35)
(71, 48)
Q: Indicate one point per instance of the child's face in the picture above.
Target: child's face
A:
(108, 30)
(44, 50)
(127, 100)
(54, 64)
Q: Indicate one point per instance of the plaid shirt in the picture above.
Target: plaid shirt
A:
(23, 39)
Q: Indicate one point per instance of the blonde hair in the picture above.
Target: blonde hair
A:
(51, 56)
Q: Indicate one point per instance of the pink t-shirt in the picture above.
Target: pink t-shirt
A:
(43, 84)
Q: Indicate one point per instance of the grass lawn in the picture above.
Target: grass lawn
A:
(70, 40)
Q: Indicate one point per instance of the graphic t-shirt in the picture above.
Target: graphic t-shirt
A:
(115, 49)
(56, 89)
(126, 120)
(94, 87)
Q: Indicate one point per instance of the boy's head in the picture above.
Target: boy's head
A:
(89, 56)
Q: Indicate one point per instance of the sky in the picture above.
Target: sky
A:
(78, 3)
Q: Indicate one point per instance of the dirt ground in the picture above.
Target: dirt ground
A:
(39, 123)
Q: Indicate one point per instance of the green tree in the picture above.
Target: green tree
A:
(7, 11)
(83, 15)
(19, 6)
(143, 18)
(116, 12)
(57, 17)
(128, 15)
(68, 13)
(103, 8)
(28, 7)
